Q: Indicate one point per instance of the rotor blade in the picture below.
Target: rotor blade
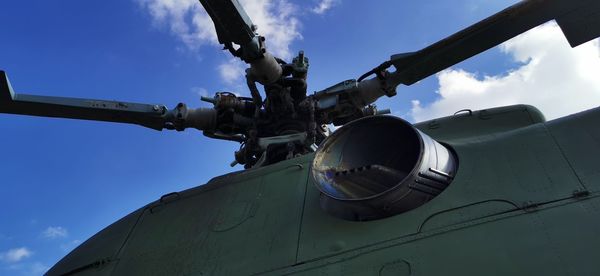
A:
(231, 21)
(151, 116)
(579, 20)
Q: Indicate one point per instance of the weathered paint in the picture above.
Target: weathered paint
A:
(524, 201)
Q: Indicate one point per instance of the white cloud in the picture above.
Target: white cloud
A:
(324, 5)
(200, 91)
(276, 22)
(231, 71)
(557, 79)
(28, 268)
(189, 22)
(15, 255)
(186, 19)
(70, 245)
(55, 232)
(38, 269)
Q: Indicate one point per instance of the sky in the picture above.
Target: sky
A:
(64, 180)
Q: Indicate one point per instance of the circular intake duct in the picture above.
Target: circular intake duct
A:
(379, 166)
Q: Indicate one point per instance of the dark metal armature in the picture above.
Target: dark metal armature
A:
(288, 122)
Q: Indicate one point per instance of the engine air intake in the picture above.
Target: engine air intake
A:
(380, 166)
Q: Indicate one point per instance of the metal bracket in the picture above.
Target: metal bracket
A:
(265, 142)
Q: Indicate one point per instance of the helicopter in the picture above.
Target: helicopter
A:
(356, 213)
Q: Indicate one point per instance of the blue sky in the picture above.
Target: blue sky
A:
(64, 180)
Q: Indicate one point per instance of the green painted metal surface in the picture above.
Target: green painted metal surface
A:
(524, 201)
